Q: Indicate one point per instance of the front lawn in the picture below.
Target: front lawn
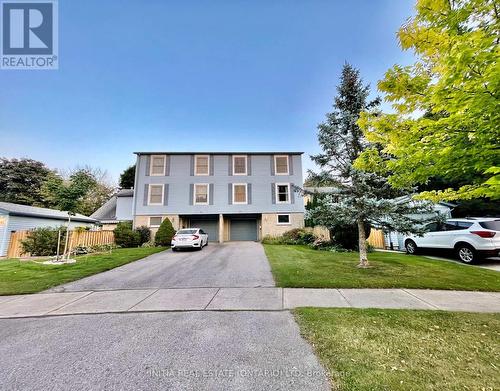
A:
(368, 349)
(300, 266)
(17, 277)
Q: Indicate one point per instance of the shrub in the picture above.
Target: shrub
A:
(294, 236)
(165, 233)
(43, 241)
(145, 234)
(125, 236)
(346, 236)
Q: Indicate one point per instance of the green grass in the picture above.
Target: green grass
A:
(300, 266)
(17, 277)
(392, 350)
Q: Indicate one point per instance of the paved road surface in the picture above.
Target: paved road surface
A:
(158, 351)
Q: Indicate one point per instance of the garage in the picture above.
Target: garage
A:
(243, 229)
(210, 226)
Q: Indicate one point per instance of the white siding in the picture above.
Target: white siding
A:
(4, 233)
(124, 208)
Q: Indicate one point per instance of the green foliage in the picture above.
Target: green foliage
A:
(127, 178)
(294, 236)
(144, 233)
(165, 233)
(21, 181)
(125, 236)
(346, 235)
(455, 82)
(359, 197)
(43, 241)
(83, 192)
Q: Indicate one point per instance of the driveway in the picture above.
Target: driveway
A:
(236, 264)
(158, 351)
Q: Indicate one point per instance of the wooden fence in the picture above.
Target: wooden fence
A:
(76, 238)
(376, 238)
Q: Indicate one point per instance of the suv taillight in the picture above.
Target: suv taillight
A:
(484, 234)
(195, 237)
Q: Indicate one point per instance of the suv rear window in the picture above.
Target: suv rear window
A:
(494, 225)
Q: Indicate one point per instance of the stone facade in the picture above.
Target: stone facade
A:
(270, 226)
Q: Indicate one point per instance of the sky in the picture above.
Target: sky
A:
(156, 75)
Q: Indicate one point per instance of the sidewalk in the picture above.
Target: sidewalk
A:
(241, 299)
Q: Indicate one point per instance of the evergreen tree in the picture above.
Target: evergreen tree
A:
(127, 178)
(21, 181)
(360, 197)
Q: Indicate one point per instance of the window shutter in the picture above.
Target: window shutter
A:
(146, 194)
(167, 165)
(211, 165)
(249, 165)
(165, 194)
(273, 193)
(290, 165)
(249, 193)
(292, 193)
(148, 164)
(230, 166)
(192, 166)
(211, 194)
(272, 166)
(230, 193)
(191, 194)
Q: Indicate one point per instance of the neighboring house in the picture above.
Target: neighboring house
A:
(232, 196)
(118, 208)
(311, 192)
(15, 217)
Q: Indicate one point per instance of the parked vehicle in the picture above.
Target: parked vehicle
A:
(189, 238)
(470, 238)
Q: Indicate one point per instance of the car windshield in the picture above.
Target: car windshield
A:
(494, 225)
(186, 232)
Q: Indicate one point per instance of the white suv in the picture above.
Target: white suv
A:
(471, 238)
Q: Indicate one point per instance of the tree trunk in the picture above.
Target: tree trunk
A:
(363, 256)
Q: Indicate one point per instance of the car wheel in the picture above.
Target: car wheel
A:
(466, 253)
(174, 249)
(411, 247)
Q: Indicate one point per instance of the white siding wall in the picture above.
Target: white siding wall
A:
(23, 223)
(124, 208)
(4, 233)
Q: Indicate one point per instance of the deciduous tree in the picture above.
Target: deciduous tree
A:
(455, 82)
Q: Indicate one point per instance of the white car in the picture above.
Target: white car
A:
(189, 238)
(471, 238)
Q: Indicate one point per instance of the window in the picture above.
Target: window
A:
(282, 193)
(493, 225)
(283, 219)
(157, 165)
(155, 195)
(239, 193)
(239, 165)
(281, 164)
(201, 164)
(186, 232)
(155, 221)
(200, 194)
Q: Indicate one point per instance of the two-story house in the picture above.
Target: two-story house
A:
(232, 196)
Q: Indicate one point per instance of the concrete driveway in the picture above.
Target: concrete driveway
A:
(158, 351)
(236, 264)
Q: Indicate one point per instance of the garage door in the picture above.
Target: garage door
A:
(243, 229)
(211, 227)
